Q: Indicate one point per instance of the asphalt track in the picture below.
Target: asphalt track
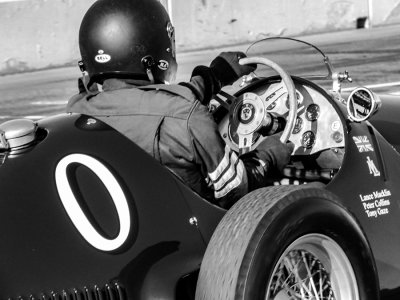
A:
(372, 57)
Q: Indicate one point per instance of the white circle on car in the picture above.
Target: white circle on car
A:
(74, 210)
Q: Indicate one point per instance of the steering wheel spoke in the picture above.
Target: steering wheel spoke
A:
(225, 99)
(271, 96)
(245, 142)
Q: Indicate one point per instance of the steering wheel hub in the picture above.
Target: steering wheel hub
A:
(248, 114)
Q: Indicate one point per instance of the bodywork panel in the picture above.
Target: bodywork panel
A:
(42, 250)
(367, 186)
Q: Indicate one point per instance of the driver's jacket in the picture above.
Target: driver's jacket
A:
(169, 123)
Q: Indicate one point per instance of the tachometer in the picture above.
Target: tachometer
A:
(308, 139)
(312, 112)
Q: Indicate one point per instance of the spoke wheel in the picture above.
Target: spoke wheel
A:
(313, 267)
(288, 243)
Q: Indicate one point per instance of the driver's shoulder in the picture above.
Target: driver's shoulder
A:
(173, 89)
(200, 121)
(178, 101)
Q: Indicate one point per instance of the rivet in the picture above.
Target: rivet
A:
(193, 221)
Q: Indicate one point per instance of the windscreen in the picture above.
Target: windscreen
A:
(297, 57)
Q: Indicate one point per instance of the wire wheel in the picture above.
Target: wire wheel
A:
(313, 267)
(288, 243)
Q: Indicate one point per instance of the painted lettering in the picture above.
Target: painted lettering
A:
(372, 213)
(383, 211)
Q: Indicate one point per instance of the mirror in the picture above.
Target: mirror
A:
(362, 104)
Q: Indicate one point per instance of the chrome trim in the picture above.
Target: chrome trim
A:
(16, 134)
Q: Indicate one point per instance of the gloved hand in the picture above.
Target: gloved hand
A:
(227, 69)
(274, 153)
(224, 70)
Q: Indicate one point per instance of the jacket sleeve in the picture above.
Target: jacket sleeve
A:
(220, 165)
(203, 84)
(230, 176)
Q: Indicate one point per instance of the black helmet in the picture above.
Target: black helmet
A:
(127, 39)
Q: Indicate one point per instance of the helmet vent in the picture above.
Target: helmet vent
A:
(148, 63)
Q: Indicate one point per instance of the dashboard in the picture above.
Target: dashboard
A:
(318, 125)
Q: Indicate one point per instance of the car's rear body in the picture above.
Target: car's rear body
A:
(44, 255)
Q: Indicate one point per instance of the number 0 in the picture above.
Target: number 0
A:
(76, 213)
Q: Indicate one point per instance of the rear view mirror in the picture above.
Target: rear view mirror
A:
(362, 104)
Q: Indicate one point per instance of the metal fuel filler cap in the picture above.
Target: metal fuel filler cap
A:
(16, 134)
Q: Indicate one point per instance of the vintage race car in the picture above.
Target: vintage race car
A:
(86, 214)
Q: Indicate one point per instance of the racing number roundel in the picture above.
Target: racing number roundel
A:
(75, 212)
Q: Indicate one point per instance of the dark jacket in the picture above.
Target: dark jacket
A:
(169, 123)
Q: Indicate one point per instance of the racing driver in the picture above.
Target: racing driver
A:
(128, 48)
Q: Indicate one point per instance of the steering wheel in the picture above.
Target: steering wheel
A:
(247, 112)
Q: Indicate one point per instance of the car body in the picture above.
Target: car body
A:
(86, 214)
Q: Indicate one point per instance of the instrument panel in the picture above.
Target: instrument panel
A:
(318, 125)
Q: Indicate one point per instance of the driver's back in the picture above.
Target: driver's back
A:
(165, 120)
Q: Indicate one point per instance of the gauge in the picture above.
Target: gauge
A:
(337, 137)
(308, 139)
(312, 112)
(298, 125)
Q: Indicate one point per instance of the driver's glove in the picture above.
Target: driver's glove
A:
(274, 154)
(227, 69)
(224, 70)
(266, 161)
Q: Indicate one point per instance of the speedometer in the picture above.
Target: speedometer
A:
(312, 112)
(308, 139)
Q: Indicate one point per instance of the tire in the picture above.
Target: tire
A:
(275, 238)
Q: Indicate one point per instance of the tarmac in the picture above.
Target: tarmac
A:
(373, 54)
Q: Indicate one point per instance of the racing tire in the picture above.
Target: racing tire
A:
(288, 242)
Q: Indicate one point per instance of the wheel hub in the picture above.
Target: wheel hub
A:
(314, 267)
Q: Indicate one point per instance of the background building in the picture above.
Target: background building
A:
(37, 34)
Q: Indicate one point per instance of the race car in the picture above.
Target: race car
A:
(86, 214)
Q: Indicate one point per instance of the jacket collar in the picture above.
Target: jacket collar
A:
(116, 84)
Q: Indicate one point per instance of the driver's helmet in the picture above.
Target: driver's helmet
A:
(127, 39)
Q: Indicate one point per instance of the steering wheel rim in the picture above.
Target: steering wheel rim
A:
(291, 90)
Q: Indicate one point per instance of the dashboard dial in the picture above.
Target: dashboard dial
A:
(312, 112)
(308, 139)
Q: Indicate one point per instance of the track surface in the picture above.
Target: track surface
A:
(372, 56)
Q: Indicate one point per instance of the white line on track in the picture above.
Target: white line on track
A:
(375, 86)
(34, 117)
(25, 117)
(49, 102)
